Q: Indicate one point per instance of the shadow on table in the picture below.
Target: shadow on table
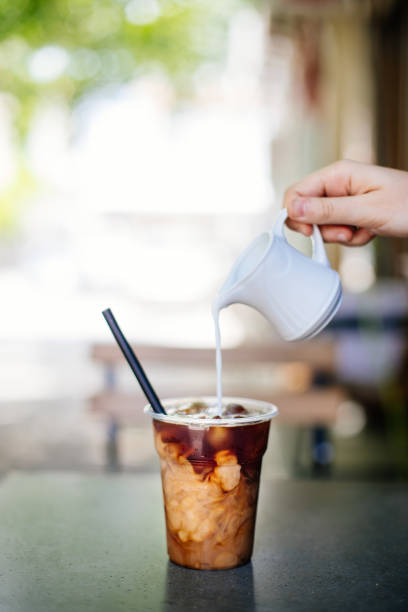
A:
(223, 590)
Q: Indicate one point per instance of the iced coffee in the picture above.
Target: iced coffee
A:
(210, 466)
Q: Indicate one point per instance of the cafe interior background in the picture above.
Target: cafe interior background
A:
(143, 144)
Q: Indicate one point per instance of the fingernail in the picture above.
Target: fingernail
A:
(342, 237)
(299, 208)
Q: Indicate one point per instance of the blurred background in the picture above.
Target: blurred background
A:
(143, 144)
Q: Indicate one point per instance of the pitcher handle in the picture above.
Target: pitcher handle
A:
(319, 252)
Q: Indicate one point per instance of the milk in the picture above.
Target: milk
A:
(218, 355)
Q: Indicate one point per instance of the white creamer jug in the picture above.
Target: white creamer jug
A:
(299, 295)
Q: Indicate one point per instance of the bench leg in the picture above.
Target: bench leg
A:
(322, 452)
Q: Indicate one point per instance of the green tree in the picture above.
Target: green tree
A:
(65, 49)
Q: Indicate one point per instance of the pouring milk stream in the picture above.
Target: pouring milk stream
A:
(297, 294)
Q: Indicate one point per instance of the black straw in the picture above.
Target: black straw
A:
(133, 361)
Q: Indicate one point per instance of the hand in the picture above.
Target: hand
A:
(351, 202)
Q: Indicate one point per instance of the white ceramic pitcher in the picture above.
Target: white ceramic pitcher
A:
(299, 295)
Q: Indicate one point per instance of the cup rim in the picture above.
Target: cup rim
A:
(271, 411)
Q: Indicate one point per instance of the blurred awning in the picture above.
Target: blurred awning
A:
(331, 8)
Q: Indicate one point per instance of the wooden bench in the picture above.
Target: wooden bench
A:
(281, 373)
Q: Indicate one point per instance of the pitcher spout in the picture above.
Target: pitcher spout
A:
(236, 288)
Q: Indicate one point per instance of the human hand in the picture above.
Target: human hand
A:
(351, 202)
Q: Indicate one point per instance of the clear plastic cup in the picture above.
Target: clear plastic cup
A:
(210, 472)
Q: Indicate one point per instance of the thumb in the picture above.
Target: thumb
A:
(360, 210)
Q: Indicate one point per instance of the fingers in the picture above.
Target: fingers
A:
(344, 177)
(348, 236)
(346, 195)
(303, 228)
(360, 210)
(361, 237)
(342, 234)
(333, 180)
(337, 233)
(330, 233)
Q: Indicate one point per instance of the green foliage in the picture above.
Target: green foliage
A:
(13, 197)
(106, 42)
(98, 43)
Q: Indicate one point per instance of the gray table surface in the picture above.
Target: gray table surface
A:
(74, 542)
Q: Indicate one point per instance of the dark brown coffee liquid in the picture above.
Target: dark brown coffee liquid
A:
(247, 442)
